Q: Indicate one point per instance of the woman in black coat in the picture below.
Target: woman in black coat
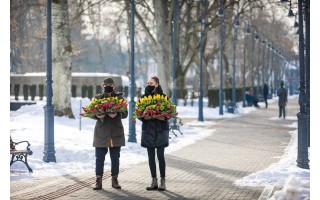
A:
(155, 136)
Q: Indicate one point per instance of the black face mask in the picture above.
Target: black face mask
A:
(108, 89)
(149, 89)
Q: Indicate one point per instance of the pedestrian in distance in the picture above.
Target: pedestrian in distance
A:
(108, 136)
(282, 101)
(155, 137)
(265, 94)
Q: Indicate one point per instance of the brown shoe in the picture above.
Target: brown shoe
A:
(162, 184)
(98, 183)
(115, 183)
(154, 184)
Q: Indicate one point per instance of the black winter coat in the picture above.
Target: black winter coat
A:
(155, 132)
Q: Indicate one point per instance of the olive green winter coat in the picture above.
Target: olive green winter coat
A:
(109, 128)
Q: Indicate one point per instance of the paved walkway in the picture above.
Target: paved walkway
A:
(206, 169)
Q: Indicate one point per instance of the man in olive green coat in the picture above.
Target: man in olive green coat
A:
(108, 134)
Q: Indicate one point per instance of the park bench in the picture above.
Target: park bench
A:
(20, 155)
(173, 127)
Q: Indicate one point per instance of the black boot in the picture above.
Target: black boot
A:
(154, 184)
(115, 183)
(98, 183)
(162, 184)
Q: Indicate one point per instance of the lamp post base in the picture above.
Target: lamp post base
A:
(302, 160)
(49, 156)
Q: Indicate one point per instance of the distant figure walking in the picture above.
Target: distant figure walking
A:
(282, 101)
(265, 94)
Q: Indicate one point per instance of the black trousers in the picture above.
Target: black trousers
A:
(282, 110)
(152, 161)
(114, 156)
(266, 101)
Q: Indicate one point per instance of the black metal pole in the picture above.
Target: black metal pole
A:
(244, 71)
(200, 114)
(221, 63)
(258, 68)
(307, 46)
(132, 103)
(234, 99)
(174, 55)
(252, 50)
(263, 65)
(49, 151)
(302, 159)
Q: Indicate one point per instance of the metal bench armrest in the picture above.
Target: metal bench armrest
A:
(16, 143)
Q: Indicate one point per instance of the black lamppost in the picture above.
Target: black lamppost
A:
(302, 160)
(272, 74)
(252, 52)
(263, 65)
(132, 127)
(202, 19)
(246, 31)
(174, 53)
(236, 26)
(49, 151)
(304, 87)
(220, 13)
(258, 34)
(307, 47)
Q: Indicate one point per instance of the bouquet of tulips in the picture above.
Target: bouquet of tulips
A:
(104, 106)
(155, 107)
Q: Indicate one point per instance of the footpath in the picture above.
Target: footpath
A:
(206, 169)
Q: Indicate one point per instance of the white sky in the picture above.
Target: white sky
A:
(74, 156)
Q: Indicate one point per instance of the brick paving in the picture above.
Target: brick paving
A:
(206, 169)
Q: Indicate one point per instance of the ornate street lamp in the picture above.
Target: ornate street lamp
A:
(132, 127)
(303, 116)
(220, 13)
(49, 151)
(174, 56)
(202, 20)
(236, 26)
(258, 36)
(246, 31)
(263, 54)
(254, 37)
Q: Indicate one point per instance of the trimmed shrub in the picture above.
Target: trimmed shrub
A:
(16, 91)
(33, 90)
(25, 89)
(126, 91)
(73, 91)
(120, 88)
(84, 90)
(41, 89)
(90, 91)
(98, 89)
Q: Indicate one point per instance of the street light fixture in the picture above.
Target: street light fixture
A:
(258, 34)
(236, 26)
(49, 150)
(220, 13)
(200, 114)
(132, 103)
(263, 54)
(174, 58)
(246, 31)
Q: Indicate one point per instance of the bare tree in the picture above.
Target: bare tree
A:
(61, 58)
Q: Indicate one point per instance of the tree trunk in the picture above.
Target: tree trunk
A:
(61, 58)
(163, 48)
